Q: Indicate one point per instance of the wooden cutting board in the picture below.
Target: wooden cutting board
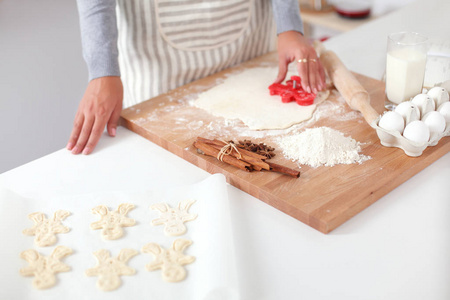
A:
(323, 197)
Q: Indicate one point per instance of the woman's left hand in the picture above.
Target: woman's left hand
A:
(293, 46)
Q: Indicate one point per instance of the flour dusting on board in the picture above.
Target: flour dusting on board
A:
(321, 146)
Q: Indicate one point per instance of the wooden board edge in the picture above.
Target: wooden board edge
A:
(376, 194)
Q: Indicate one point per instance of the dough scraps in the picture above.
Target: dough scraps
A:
(45, 229)
(109, 269)
(246, 96)
(174, 218)
(112, 221)
(44, 268)
(170, 261)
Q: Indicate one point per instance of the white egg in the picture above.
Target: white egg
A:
(408, 111)
(439, 95)
(435, 121)
(444, 109)
(417, 132)
(424, 103)
(392, 121)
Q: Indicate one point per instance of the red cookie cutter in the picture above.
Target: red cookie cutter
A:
(292, 91)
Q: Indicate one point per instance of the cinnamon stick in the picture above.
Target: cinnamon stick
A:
(242, 155)
(256, 168)
(211, 151)
(221, 144)
(284, 170)
(244, 159)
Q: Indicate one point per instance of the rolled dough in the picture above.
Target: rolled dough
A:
(246, 96)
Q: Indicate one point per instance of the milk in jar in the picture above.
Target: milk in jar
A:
(404, 74)
(405, 65)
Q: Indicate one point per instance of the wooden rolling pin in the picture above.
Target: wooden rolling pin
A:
(346, 83)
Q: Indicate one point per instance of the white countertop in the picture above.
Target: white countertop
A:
(398, 248)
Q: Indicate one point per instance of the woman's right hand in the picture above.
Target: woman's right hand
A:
(100, 106)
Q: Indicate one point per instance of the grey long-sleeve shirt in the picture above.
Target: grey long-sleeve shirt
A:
(99, 34)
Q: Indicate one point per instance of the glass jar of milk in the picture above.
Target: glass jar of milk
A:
(405, 65)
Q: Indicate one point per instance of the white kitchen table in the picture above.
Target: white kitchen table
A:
(398, 248)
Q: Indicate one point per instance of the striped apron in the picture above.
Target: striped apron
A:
(164, 44)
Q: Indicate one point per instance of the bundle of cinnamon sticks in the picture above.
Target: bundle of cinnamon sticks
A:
(234, 155)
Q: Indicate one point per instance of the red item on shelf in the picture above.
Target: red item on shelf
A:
(292, 91)
(352, 9)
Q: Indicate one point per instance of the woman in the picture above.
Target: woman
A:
(153, 46)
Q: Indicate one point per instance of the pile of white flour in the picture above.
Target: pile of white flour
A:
(321, 146)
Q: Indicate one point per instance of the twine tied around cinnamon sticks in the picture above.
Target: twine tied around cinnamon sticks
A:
(227, 150)
(232, 154)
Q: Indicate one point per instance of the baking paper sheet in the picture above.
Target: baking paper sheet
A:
(211, 276)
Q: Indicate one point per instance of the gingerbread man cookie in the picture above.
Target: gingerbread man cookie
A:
(112, 221)
(109, 269)
(45, 229)
(174, 218)
(44, 268)
(170, 261)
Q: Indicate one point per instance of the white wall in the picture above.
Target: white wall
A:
(380, 7)
(42, 77)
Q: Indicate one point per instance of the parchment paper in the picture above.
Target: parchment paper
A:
(211, 276)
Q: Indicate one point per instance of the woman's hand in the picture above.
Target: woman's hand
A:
(100, 106)
(294, 47)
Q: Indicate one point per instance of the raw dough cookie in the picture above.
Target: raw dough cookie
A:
(45, 229)
(246, 96)
(112, 221)
(173, 218)
(170, 261)
(109, 269)
(44, 268)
